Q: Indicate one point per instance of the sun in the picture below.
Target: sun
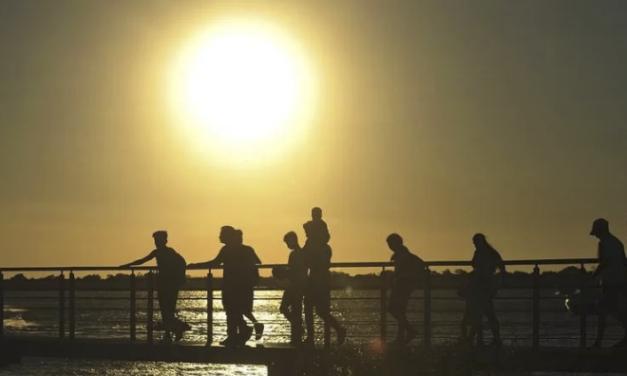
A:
(243, 91)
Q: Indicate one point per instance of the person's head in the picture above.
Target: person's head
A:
(316, 213)
(161, 238)
(395, 242)
(479, 240)
(226, 235)
(238, 236)
(600, 228)
(291, 240)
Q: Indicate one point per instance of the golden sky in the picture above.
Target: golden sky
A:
(435, 120)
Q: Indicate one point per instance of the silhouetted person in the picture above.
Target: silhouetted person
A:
(408, 269)
(318, 291)
(483, 287)
(317, 229)
(612, 271)
(292, 302)
(237, 285)
(259, 327)
(171, 277)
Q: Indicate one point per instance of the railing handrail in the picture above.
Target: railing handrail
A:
(371, 264)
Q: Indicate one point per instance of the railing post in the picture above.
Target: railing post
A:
(427, 309)
(383, 305)
(61, 305)
(133, 310)
(327, 326)
(72, 305)
(583, 330)
(536, 308)
(1, 305)
(209, 308)
(150, 306)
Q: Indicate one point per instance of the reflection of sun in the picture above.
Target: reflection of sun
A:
(243, 91)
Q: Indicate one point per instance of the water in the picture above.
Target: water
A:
(105, 314)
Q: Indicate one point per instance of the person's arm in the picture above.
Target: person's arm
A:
(500, 264)
(140, 261)
(217, 261)
(327, 234)
(601, 265)
(257, 259)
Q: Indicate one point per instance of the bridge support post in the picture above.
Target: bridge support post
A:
(61, 305)
(150, 306)
(383, 305)
(133, 307)
(536, 308)
(72, 312)
(209, 308)
(1, 306)
(427, 309)
(583, 320)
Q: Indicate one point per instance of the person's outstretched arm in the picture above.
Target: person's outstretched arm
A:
(140, 261)
(219, 260)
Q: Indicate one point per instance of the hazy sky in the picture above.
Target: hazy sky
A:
(437, 119)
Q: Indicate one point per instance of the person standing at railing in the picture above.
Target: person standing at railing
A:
(171, 266)
(408, 270)
(318, 291)
(239, 241)
(292, 301)
(612, 271)
(237, 285)
(483, 287)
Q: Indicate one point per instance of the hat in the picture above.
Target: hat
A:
(600, 225)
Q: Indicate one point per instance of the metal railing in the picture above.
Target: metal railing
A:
(67, 299)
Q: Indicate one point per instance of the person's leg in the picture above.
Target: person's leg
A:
(296, 318)
(410, 333)
(166, 306)
(309, 317)
(393, 310)
(323, 309)
(603, 310)
(494, 323)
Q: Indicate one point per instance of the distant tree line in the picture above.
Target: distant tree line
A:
(570, 276)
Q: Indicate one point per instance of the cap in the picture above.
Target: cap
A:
(600, 225)
(160, 234)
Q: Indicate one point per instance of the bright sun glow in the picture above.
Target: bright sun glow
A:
(243, 91)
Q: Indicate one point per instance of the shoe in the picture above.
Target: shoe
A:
(258, 330)
(341, 336)
(247, 334)
(411, 335)
(181, 327)
(595, 345)
(227, 341)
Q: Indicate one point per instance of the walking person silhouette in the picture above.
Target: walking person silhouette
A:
(482, 288)
(292, 301)
(237, 285)
(408, 270)
(318, 290)
(612, 271)
(170, 277)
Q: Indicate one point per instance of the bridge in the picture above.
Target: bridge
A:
(72, 313)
